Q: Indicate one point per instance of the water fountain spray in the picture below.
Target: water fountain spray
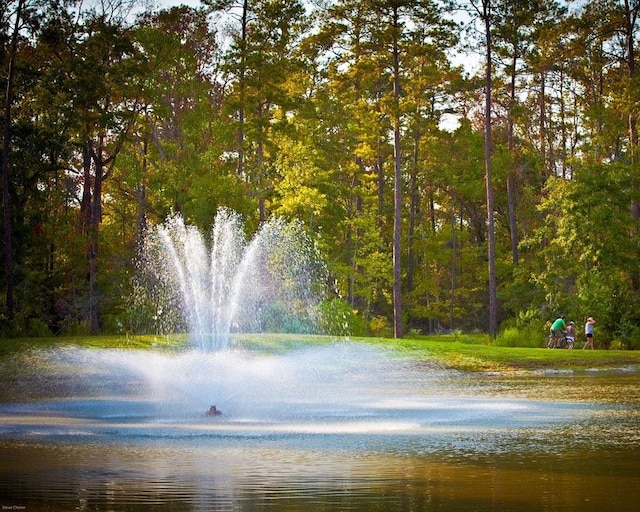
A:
(274, 282)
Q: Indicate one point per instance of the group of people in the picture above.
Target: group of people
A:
(561, 330)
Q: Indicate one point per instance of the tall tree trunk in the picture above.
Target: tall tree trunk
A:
(397, 182)
(631, 12)
(564, 150)
(87, 188)
(260, 176)
(94, 292)
(243, 87)
(6, 143)
(432, 212)
(542, 105)
(511, 176)
(452, 291)
(141, 198)
(95, 218)
(413, 209)
(87, 229)
(491, 249)
(354, 233)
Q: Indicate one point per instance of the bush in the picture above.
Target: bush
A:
(381, 327)
(527, 329)
(628, 339)
(337, 317)
(514, 337)
(76, 329)
(278, 317)
(38, 329)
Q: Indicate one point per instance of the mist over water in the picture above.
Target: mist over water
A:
(339, 388)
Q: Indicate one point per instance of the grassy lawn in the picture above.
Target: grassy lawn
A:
(113, 342)
(469, 353)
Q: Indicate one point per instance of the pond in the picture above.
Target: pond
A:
(333, 428)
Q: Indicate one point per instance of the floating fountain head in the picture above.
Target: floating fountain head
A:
(272, 283)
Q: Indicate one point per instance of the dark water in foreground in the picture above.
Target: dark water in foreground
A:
(333, 429)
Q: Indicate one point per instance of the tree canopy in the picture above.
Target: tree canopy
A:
(364, 120)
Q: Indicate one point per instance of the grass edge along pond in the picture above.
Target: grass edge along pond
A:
(462, 352)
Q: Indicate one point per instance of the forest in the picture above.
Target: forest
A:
(462, 165)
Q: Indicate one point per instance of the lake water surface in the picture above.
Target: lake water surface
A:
(336, 428)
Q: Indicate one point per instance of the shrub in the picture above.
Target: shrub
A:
(514, 337)
(337, 317)
(38, 329)
(76, 329)
(380, 326)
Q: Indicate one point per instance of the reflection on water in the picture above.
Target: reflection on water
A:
(315, 430)
(185, 477)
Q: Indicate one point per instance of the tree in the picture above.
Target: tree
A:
(240, 52)
(397, 176)
(102, 73)
(589, 259)
(355, 81)
(176, 152)
(261, 57)
(370, 47)
(516, 28)
(331, 113)
(6, 142)
(484, 10)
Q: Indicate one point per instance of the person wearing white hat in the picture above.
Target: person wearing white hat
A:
(588, 333)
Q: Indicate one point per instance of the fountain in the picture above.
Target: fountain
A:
(272, 283)
(329, 423)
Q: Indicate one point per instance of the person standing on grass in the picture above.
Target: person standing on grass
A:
(557, 330)
(588, 333)
(571, 334)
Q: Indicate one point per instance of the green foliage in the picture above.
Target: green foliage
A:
(294, 120)
(527, 329)
(278, 317)
(380, 326)
(338, 318)
(76, 329)
(589, 260)
(514, 337)
(38, 329)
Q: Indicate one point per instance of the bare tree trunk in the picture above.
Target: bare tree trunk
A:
(103, 166)
(413, 209)
(243, 86)
(260, 173)
(397, 181)
(452, 291)
(563, 127)
(354, 233)
(631, 18)
(141, 198)
(493, 295)
(87, 228)
(95, 218)
(94, 297)
(6, 142)
(511, 176)
(87, 187)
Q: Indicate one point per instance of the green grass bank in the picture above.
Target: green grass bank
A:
(462, 352)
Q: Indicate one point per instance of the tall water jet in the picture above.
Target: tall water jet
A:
(274, 282)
